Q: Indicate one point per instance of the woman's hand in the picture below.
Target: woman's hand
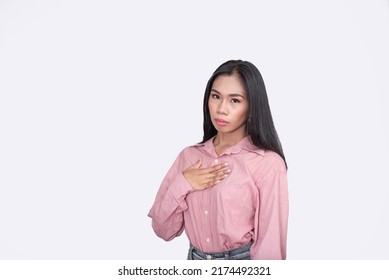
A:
(202, 178)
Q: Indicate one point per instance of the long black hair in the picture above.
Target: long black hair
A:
(260, 125)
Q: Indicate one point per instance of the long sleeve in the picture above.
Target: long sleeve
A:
(271, 217)
(167, 210)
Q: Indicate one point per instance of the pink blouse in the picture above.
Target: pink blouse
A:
(251, 204)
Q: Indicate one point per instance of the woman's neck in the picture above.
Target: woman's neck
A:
(223, 141)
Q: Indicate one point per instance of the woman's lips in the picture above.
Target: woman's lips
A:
(221, 122)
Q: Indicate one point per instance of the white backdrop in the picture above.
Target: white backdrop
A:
(98, 97)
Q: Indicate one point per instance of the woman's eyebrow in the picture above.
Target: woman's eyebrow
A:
(231, 94)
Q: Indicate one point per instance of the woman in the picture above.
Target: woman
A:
(229, 192)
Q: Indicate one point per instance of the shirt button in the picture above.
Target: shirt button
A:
(207, 240)
(206, 212)
(216, 160)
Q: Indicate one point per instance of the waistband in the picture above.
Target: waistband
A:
(238, 253)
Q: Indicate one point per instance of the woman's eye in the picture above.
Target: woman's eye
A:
(215, 96)
(234, 100)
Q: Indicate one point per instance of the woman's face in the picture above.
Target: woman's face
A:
(228, 105)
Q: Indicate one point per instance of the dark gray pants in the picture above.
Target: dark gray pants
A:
(241, 253)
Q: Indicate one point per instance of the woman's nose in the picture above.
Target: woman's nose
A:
(222, 108)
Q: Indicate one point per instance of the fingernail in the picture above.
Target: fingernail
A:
(226, 163)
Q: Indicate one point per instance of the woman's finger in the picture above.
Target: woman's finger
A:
(214, 168)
